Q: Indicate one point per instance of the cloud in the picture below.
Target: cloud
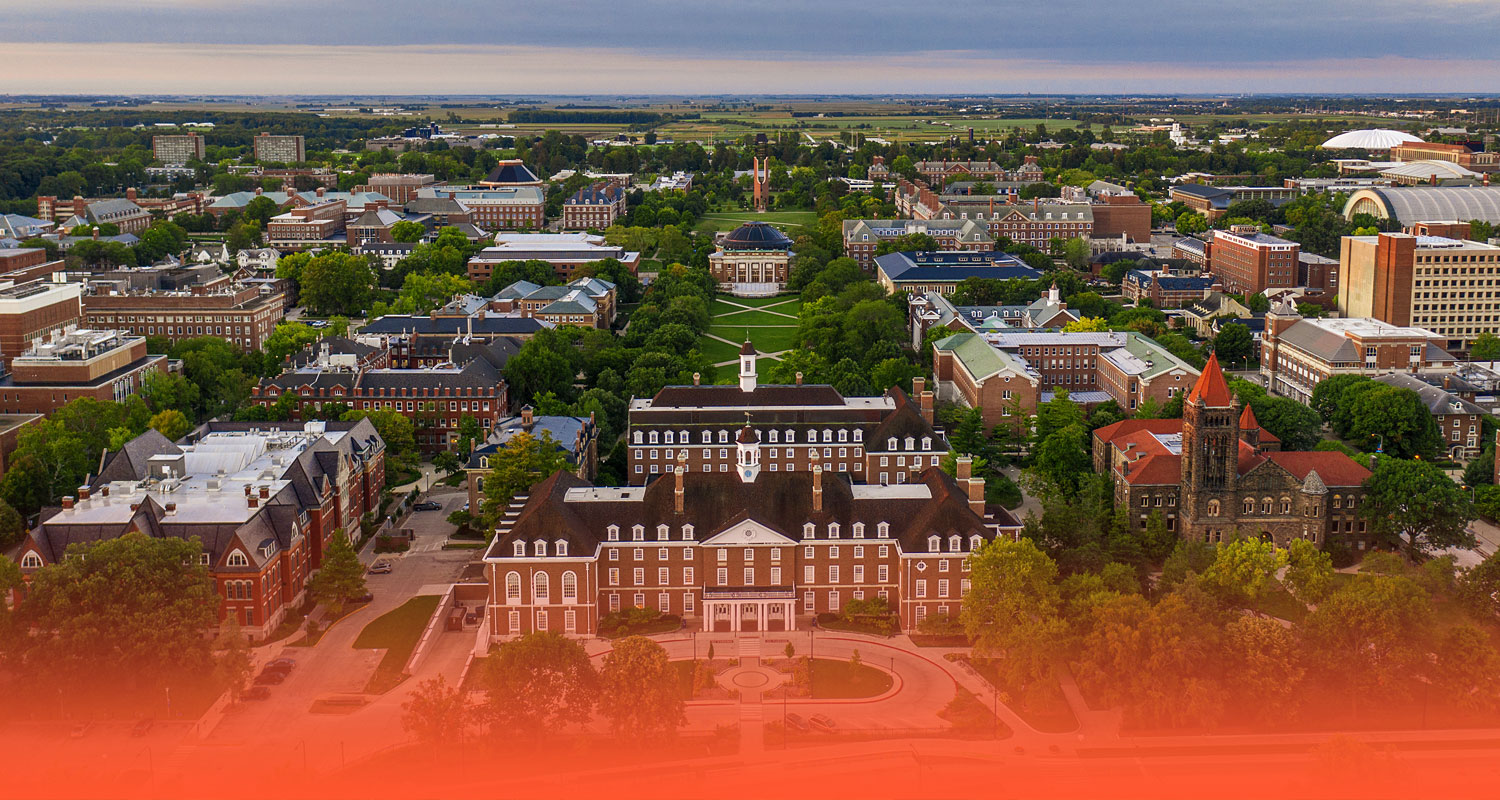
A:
(65, 67)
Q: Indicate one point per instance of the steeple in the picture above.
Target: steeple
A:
(1249, 428)
(1054, 296)
(1211, 390)
(747, 366)
(747, 461)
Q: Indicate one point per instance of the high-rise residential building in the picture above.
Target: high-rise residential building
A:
(1448, 286)
(177, 148)
(1247, 261)
(270, 148)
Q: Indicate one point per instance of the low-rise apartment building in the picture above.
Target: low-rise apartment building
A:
(1248, 262)
(586, 301)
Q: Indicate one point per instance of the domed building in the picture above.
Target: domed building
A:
(752, 261)
(1369, 139)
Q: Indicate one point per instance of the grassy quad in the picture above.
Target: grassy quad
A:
(397, 632)
(733, 317)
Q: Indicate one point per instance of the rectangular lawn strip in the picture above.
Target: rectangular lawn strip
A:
(756, 318)
(397, 632)
(766, 340)
(717, 351)
(732, 303)
(838, 680)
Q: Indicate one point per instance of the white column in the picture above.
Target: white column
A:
(791, 614)
(763, 618)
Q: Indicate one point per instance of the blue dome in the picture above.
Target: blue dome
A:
(757, 236)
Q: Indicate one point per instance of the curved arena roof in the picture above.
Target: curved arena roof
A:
(1429, 169)
(1411, 204)
(1369, 139)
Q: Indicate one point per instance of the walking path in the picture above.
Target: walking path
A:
(766, 308)
(776, 355)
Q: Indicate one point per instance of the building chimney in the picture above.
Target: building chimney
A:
(697, 378)
(130, 194)
(976, 495)
(96, 233)
(248, 489)
(817, 498)
(925, 400)
(526, 416)
(322, 190)
(265, 492)
(171, 508)
(678, 491)
(918, 385)
(104, 490)
(252, 501)
(67, 503)
(965, 467)
(83, 493)
(799, 379)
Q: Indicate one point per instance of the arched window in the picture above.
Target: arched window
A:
(975, 542)
(809, 530)
(1265, 505)
(31, 560)
(663, 533)
(687, 533)
(682, 436)
(669, 438)
(891, 443)
(883, 530)
(1213, 508)
(484, 462)
(773, 436)
(613, 532)
(637, 533)
(724, 437)
(562, 548)
(934, 544)
(538, 587)
(1286, 505)
(1249, 505)
(827, 435)
(519, 549)
(238, 559)
(708, 437)
(569, 587)
(859, 530)
(833, 530)
(652, 437)
(539, 548)
(513, 587)
(955, 543)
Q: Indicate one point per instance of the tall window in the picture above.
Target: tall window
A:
(539, 588)
(513, 587)
(569, 587)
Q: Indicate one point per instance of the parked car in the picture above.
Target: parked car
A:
(365, 598)
(380, 568)
(795, 722)
(283, 666)
(270, 677)
(284, 661)
(428, 505)
(81, 730)
(142, 727)
(257, 693)
(822, 722)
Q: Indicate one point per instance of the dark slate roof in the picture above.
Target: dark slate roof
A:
(496, 351)
(129, 462)
(773, 395)
(756, 236)
(511, 172)
(477, 373)
(782, 501)
(563, 430)
(1183, 284)
(1202, 190)
(490, 325)
(949, 266)
(1438, 400)
(906, 420)
(312, 378)
(599, 194)
(337, 345)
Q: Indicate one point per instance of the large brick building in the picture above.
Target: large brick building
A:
(748, 550)
(274, 149)
(886, 439)
(566, 252)
(1297, 353)
(436, 399)
(1478, 161)
(102, 365)
(1008, 373)
(589, 302)
(402, 188)
(577, 438)
(752, 259)
(35, 312)
(594, 207)
(1447, 286)
(1248, 262)
(264, 499)
(862, 236)
(241, 314)
(1215, 474)
(942, 271)
(177, 148)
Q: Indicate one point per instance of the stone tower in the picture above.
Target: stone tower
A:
(1210, 453)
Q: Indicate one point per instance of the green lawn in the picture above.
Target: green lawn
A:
(1279, 603)
(789, 222)
(832, 680)
(717, 351)
(755, 318)
(397, 632)
(782, 302)
(766, 340)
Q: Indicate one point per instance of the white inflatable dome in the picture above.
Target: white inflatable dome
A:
(1369, 139)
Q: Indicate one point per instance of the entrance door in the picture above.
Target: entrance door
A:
(749, 617)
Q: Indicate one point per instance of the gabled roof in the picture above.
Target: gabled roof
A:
(1211, 390)
(1336, 469)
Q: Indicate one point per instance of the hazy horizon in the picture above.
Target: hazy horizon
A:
(755, 46)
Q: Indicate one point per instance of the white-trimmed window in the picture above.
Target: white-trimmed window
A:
(513, 587)
(31, 560)
(569, 587)
(237, 559)
(539, 588)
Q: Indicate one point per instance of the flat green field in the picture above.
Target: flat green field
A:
(766, 340)
(790, 222)
(771, 332)
(786, 304)
(755, 318)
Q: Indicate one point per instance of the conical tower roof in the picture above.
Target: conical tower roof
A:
(1211, 390)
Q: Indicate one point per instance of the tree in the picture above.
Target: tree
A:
(1064, 456)
(289, 338)
(233, 664)
(1328, 394)
(1087, 324)
(1309, 571)
(12, 527)
(1077, 253)
(1189, 223)
(1467, 668)
(1486, 347)
(638, 689)
(1414, 506)
(515, 466)
(1234, 343)
(436, 713)
(128, 613)
(1012, 609)
(1395, 417)
(1056, 414)
(336, 283)
(1243, 570)
(408, 231)
(341, 578)
(1266, 662)
(1297, 426)
(1479, 588)
(398, 433)
(171, 424)
(1368, 637)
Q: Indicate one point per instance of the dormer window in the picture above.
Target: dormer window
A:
(202, 559)
(31, 560)
(724, 437)
(843, 434)
(613, 533)
(484, 462)
(637, 437)
(238, 559)
(637, 533)
(883, 530)
(911, 443)
(772, 436)
(833, 530)
(519, 549)
(809, 530)
(926, 442)
(791, 436)
(562, 548)
(663, 533)
(934, 544)
(539, 548)
(827, 435)
(859, 435)
(668, 438)
(687, 533)
(955, 543)
(859, 530)
(682, 436)
(652, 437)
(891, 443)
(708, 437)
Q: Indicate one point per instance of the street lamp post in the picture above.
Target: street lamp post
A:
(1379, 448)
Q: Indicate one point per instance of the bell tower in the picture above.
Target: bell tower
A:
(1210, 450)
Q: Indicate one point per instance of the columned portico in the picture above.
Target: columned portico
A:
(751, 612)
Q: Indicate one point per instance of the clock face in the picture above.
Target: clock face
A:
(747, 473)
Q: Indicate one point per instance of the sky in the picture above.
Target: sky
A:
(746, 46)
